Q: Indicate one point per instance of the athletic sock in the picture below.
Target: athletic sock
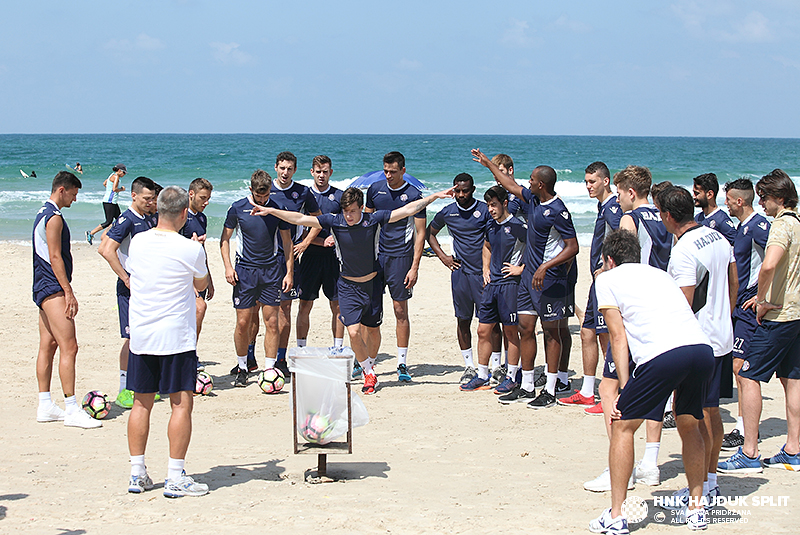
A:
(551, 383)
(402, 354)
(495, 360)
(668, 406)
(587, 390)
(527, 380)
(281, 353)
(269, 363)
(242, 360)
(175, 468)
(483, 371)
(712, 480)
(512, 371)
(705, 488)
(45, 399)
(301, 342)
(251, 351)
(367, 366)
(650, 459)
(71, 404)
(563, 377)
(740, 425)
(371, 361)
(506, 356)
(137, 465)
(338, 342)
(123, 380)
(467, 354)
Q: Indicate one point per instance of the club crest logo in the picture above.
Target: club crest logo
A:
(713, 224)
(746, 365)
(331, 197)
(763, 225)
(745, 230)
(476, 214)
(364, 223)
(546, 212)
(507, 230)
(295, 195)
(565, 214)
(730, 224)
(404, 197)
(235, 300)
(614, 209)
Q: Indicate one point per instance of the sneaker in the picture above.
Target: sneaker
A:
(669, 421)
(201, 367)
(595, 410)
(185, 486)
(49, 413)
(518, 395)
(507, 386)
(79, 418)
(562, 388)
(498, 374)
(283, 367)
(402, 374)
(124, 399)
(577, 400)
(476, 383)
(732, 441)
(650, 477)
(370, 382)
(469, 373)
(89, 237)
(740, 463)
(695, 519)
(602, 483)
(540, 381)
(139, 484)
(241, 378)
(784, 460)
(543, 401)
(357, 370)
(605, 524)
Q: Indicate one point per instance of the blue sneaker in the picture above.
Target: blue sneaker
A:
(476, 383)
(784, 460)
(357, 370)
(402, 374)
(506, 386)
(740, 463)
(605, 524)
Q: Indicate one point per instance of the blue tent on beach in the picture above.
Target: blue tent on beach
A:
(365, 181)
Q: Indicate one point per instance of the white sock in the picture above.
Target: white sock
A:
(563, 377)
(45, 399)
(367, 367)
(483, 371)
(650, 459)
(527, 380)
(467, 354)
(668, 406)
(175, 468)
(740, 425)
(137, 465)
(506, 356)
(587, 389)
(71, 405)
(495, 360)
(705, 488)
(338, 342)
(512, 371)
(550, 386)
(269, 363)
(712, 480)
(123, 380)
(242, 360)
(402, 353)
(301, 342)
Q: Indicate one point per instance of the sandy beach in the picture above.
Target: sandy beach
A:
(431, 460)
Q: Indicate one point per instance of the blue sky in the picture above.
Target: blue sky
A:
(680, 68)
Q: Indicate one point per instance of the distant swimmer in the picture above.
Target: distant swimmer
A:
(26, 175)
(110, 206)
(78, 167)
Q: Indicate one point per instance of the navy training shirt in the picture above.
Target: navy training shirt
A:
(329, 202)
(609, 213)
(397, 239)
(125, 227)
(719, 221)
(467, 227)
(43, 275)
(748, 251)
(549, 224)
(356, 245)
(656, 242)
(507, 240)
(196, 223)
(258, 236)
(295, 198)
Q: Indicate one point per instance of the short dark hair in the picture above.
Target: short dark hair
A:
(655, 189)
(352, 195)
(200, 184)
(777, 184)
(745, 185)
(286, 156)
(622, 246)
(548, 176)
(496, 192)
(707, 182)
(395, 157)
(142, 182)
(464, 177)
(677, 202)
(598, 167)
(66, 179)
(158, 188)
(321, 160)
(260, 181)
(635, 177)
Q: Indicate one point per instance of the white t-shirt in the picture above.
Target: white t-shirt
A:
(163, 266)
(655, 313)
(701, 258)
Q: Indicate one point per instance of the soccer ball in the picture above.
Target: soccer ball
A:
(271, 380)
(96, 404)
(204, 384)
(316, 427)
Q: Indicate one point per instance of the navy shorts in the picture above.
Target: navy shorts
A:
(593, 318)
(292, 293)
(123, 302)
(714, 384)
(257, 285)
(499, 304)
(167, 374)
(318, 270)
(685, 370)
(775, 348)
(467, 290)
(394, 271)
(361, 302)
(610, 368)
(43, 293)
(744, 326)
(202, 295)
(555, 301)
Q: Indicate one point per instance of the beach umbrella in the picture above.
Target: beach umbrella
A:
(364, 181)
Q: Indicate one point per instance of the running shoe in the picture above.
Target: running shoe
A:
(695, 519)
(184, 486)
(498, 374)
(89, 237)
(469, 373)
(680, 499)
(562, 388)
(241, 378)
(602, 483)
(283, 367)
(370, 382)
(124, 399)
(79, 418)
(357, 370)
(506, 386)
(650, 477)
(402, 374)
(540, 381)
(476, 383)
(784, 460)
(612, 526)
(669, 421)
(596, 410)
(139, 484)
(732, 441)
(577, 400)
(50, 413)
(740, 463)
(545, 400)
(518, 395)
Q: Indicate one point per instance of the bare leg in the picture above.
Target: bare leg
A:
(485, 343)
(566, 344)
(243, 334)
(609, 388)
(284, 323)
(589, 353)
(179, 429)
(47, 351)
(139, 422)
(693, 452)
(403, 327)
(372, 340)
(201, 313)
(337, 327)
(750, 396)
(791, 387)
(62, 331)
(464, 333)
(527, 341)
(712, 421)
(303, 322)
(357, 343)
(511, 333)
(271, 334)
(620, 461)
(552, 345)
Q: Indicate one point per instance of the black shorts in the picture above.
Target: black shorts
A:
(167, 374)
(714, 386)
(318, 270)
(111, 211)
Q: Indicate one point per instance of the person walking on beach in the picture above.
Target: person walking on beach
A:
(52, 293)
(166, 272)
(110, 206)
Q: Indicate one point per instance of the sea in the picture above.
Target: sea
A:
(228, 160)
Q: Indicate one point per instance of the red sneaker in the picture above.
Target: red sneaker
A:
(577, 400)
(370, 382)
(597, 409)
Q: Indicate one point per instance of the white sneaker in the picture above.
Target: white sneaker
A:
(139, 484)
(681, 499)
(185, 486)
(49, 413)
(650, 477)
(695, 519)
(79, 418)
(602, 483)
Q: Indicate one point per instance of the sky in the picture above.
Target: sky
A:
(630, 68)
